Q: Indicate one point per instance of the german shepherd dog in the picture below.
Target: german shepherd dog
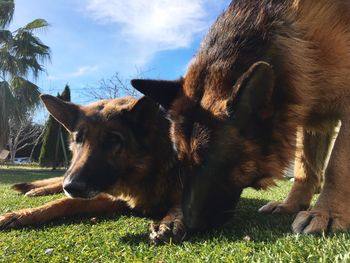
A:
(123, 160)
(266, 70)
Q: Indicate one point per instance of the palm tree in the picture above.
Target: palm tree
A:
(21, 53)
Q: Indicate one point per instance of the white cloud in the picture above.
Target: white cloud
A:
(154, 25)
(83, 71)
(79, 72)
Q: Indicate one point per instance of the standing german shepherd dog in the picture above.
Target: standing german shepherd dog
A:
(266, 69)
(123, 159)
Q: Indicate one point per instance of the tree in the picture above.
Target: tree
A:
(62, 150)
(21, 53)
(111, 88)
(47, 151)
(52, 151)
(22, 133)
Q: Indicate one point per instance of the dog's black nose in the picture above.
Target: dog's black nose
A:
(75, 189)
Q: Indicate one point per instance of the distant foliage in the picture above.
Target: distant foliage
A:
(51, 153)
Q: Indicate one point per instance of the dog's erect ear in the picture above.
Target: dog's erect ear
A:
(145, 109)
(162, 91)
(143, 115)
(253, 93)
(64, 112)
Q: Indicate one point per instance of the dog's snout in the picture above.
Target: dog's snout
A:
(75, 189)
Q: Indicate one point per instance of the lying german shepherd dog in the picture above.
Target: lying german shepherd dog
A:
(267, 69)
(122, 160)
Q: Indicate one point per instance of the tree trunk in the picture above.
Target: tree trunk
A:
(12, 155)
(3, 134)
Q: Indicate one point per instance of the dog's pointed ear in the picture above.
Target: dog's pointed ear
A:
(64, 112)
(145, 109)
(162, 91)
(143, 115)
(253, 93)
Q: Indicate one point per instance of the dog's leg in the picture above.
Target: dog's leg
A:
(46, 190)
(40, 187)
(170, 229)
(312, 154)
(65, 207)
(332, 209)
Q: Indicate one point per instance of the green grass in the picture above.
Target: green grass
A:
(125, 238)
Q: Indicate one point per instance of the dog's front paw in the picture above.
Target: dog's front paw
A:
(317, 221)
(167, 232)
(22, 187)
(36, 192)
(9, 220)
(275, 207)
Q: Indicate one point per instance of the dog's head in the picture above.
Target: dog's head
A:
(112, 142)
(219, 134)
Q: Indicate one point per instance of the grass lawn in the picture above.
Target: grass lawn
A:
(125, 238)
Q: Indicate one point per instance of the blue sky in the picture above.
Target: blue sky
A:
(93, 39)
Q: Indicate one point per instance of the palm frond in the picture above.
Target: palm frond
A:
(23, 55)
(31, 64)
(7, 9)
(8, 64)
(37, 24)
(26, 94)
(5, 37)
(27, 44)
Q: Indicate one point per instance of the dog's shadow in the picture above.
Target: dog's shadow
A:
(247, 224)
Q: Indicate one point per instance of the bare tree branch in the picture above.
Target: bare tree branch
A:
(111, 88)
(22, 133)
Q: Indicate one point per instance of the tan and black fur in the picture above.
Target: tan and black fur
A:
(267, 69)
(122, 160)
(40, 187)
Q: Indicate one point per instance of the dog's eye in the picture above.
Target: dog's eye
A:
(115, 138)
(79, 137)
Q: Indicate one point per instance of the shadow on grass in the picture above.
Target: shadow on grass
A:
(247, 223)
(70, 221)
(135, 239)
(13, 176)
